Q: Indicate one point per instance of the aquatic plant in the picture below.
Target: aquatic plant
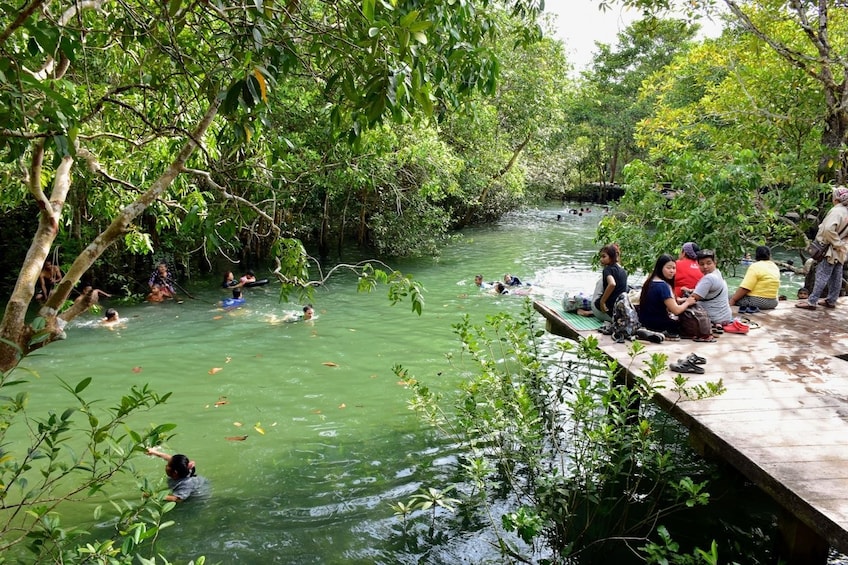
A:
(582, 458)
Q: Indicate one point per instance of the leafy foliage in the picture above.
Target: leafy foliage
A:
(586, 465)
(49, 461)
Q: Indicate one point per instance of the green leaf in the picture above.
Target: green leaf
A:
(368, 10)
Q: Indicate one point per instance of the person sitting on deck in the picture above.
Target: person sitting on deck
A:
(657, 300)
(613, 281)
(687, 272)
(760, 287)
(711, 292)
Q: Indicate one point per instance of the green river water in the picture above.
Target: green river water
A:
(339, 443)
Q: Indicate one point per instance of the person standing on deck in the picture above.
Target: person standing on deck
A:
(829, 269)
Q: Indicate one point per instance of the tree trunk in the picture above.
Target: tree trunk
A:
(17, 335)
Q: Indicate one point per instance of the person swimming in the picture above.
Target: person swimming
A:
(111, 317)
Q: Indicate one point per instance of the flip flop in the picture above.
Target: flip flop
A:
(684, 366)
(750, 323)
(696, 359)
(705, 339)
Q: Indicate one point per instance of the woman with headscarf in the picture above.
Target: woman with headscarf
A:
(687, 271)
(829, 269)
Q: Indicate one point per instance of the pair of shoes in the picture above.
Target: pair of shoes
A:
(684, 366)
(749, 310)
(696, 359)
(649, 335)
(752, 325)
(669, 336)
(704, 339)
(804, 305)
(736, 327)
(826, 304)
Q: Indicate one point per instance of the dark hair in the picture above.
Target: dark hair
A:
(706, 254)
(236, 293)
(181, 467)
(762, 253)
(662, 260)
(611, 251)
(250, 272)
(111, 313)
(307, 307)
(225, 281)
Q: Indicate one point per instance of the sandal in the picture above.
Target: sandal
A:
(826, 304)
(704, 339)
(804, 305)
(684, 366)
(696, 359)
(718, 330)
(750, 323)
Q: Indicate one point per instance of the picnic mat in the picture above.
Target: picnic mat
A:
(574, 320)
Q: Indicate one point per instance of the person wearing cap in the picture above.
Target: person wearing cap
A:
(829, 269)
(687, 271)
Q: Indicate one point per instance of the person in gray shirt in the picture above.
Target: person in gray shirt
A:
(711, 290)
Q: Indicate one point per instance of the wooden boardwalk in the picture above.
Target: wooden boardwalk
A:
(783, 421)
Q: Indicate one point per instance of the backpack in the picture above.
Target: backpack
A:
(695, 322)
(625, 319)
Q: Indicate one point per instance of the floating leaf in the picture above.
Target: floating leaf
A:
(259, 429)
(214, 370)
(228, 359)
(238, 424)
(342, 405)
(136, 369)
(236, 438)
(329, 364)
(217, 317)
(222, 401)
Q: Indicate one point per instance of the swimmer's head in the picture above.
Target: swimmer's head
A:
(111, 314)
(308, 312)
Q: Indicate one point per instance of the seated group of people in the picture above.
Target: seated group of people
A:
(676, 285)
(498, 287)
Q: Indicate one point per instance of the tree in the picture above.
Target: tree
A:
(608, 106)
(123, 98)
(816, 47)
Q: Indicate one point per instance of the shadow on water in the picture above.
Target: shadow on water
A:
(330, 440)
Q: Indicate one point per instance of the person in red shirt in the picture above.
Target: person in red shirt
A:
(687, 273)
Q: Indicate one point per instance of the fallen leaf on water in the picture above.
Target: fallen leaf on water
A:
(238, 424)
(228, 359)
(217, 317)
(342, 405)
(274, 424)
(222, 401)
(373, 376)
(259, 429)
(236, 438)
(136, 369)
(329, 364)
(214, 370)
(316, 411)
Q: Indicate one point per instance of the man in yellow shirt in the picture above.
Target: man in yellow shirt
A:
(760, 287)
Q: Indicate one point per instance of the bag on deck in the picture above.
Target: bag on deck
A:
(625, 319)
(574, 302)
(695, 322)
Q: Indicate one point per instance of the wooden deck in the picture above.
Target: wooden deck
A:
(783, 421)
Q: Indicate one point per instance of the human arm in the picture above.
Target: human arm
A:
(675, 307)
(156, 453)
(608, 290)
(738, 295)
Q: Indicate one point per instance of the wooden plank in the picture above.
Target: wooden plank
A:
(783, 421)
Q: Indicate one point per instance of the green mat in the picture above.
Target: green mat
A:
(576, 321)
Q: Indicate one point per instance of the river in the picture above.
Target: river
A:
(330, 440)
